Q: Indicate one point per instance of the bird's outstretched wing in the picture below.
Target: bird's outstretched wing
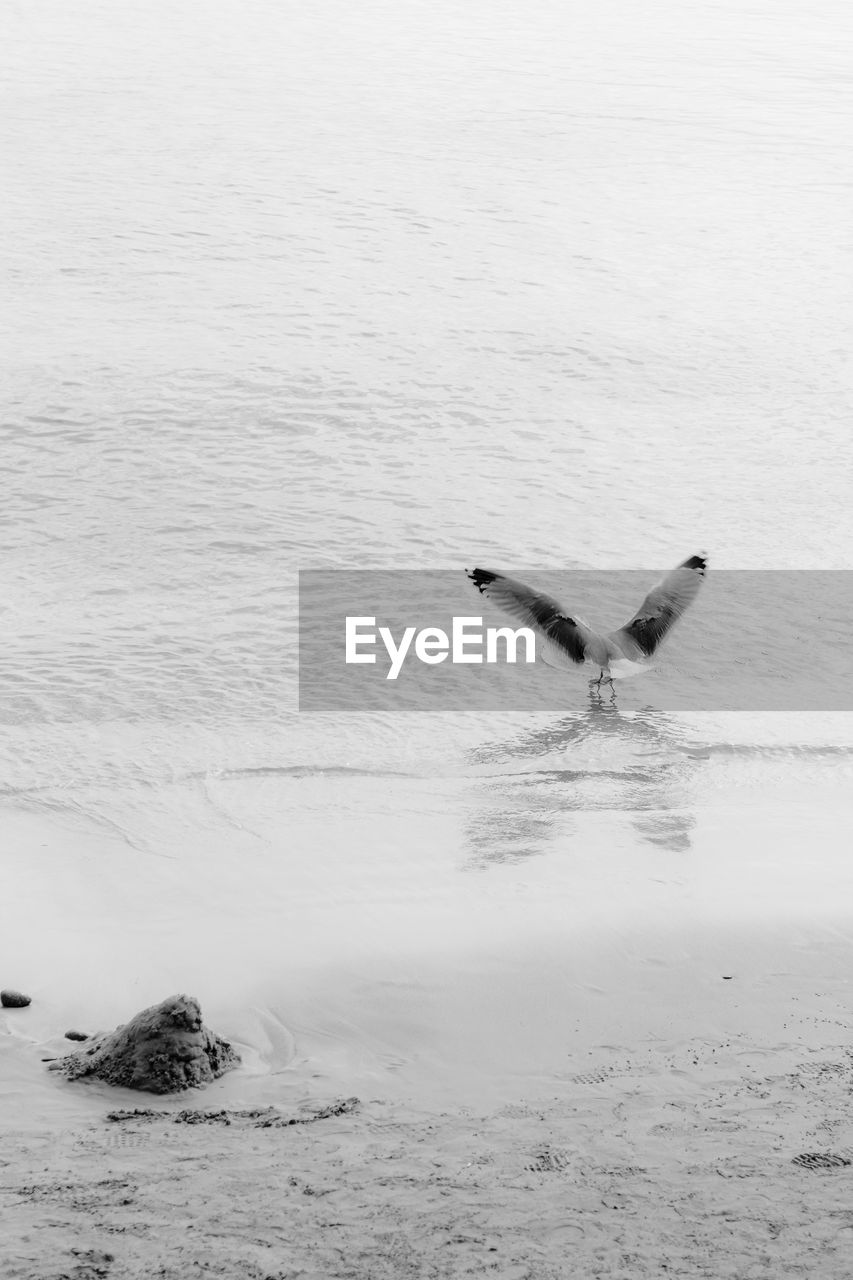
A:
(567, 640)
(662, 607)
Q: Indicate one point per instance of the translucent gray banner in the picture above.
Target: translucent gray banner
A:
(751, 641)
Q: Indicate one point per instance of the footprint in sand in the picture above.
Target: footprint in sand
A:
(564, 1233)
(822, 1160)
(596, 1077)
(548, 1160)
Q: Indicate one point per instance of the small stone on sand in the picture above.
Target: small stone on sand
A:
(14, 1000)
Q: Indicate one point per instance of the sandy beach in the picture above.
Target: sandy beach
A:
(668, 1097)
(695, 1159)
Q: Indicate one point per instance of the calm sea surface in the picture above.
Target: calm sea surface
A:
(410, 285)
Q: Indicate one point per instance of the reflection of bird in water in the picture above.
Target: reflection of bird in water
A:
(598, 760)
(571, 639)
(601, 725)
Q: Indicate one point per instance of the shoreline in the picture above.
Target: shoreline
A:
(612, 1060)
(711, 1136)
(703, 1159)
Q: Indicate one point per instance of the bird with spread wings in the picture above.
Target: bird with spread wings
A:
(570, 640)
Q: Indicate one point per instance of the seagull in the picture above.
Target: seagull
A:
(571, 639)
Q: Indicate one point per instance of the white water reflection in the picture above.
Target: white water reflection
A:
(602, 759)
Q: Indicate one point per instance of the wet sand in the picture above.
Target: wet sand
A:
(728, 1159)
(623, 1057)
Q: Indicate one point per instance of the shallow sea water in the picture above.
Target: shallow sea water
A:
(408, 286)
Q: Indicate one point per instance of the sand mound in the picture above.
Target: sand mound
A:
(162, 1050)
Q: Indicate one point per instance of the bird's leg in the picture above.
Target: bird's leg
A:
(606, 679)
(597, 682)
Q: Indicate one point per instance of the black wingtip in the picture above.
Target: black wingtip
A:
(699, 563)
(481, 578)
